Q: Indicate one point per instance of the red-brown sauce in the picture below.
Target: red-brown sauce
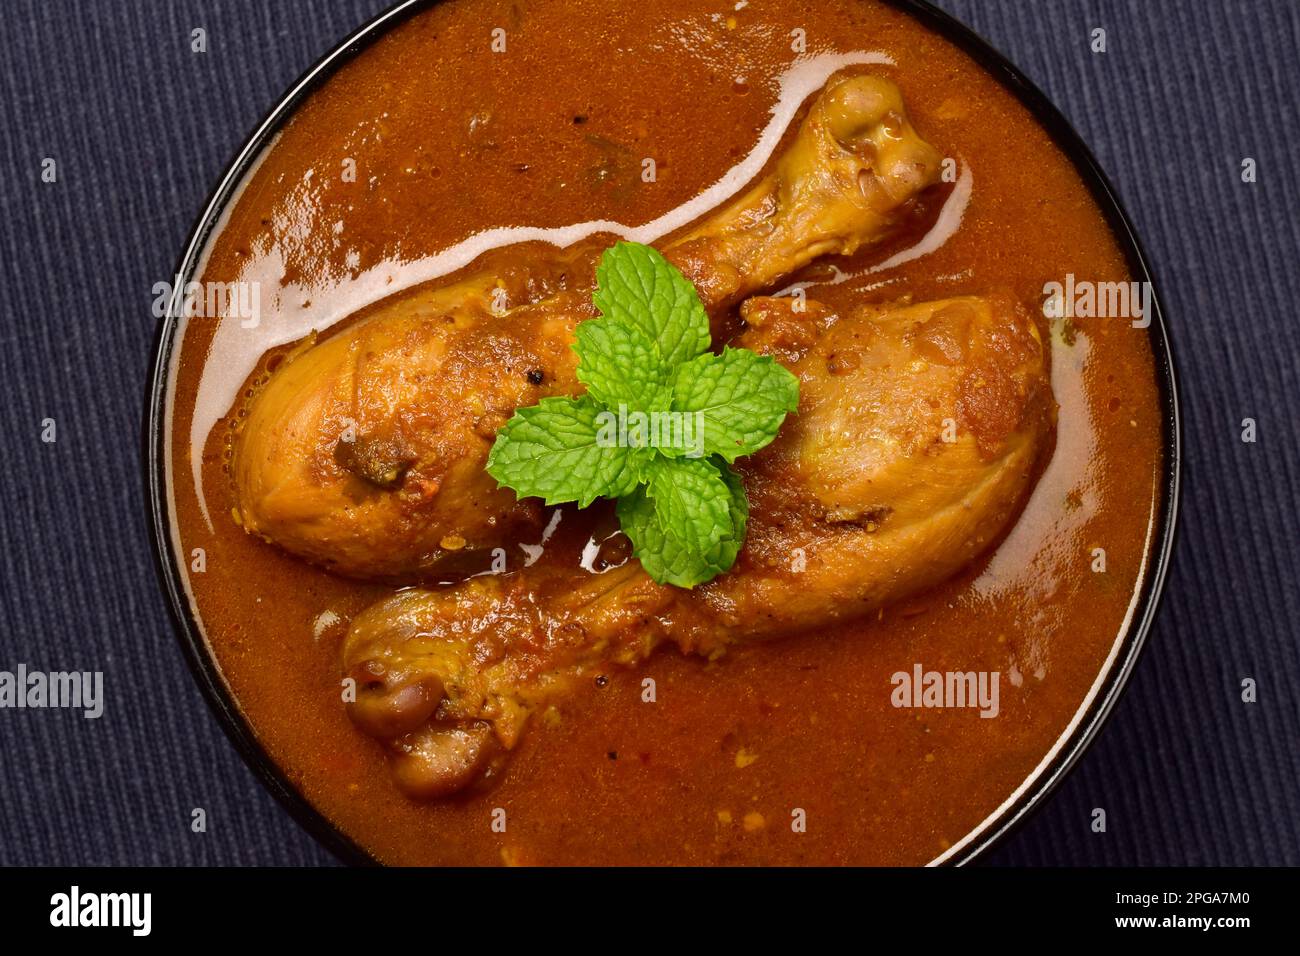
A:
(450, 138)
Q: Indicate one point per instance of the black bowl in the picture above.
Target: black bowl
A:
(1035, 788)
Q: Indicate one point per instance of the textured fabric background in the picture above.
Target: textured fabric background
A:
(142, 128)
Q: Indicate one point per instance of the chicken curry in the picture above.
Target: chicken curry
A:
(960, 499)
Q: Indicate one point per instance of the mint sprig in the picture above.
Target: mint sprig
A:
(660, 425)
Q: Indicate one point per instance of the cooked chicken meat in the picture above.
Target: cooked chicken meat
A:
(917, 437)
(365, 451)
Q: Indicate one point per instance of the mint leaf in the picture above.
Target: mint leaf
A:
(741, 397)
(620, 365)
(691, 500)
(637, 286)
(669, 538)
(555, 450)
(656, 400)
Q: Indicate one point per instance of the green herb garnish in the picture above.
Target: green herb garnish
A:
(660, 425)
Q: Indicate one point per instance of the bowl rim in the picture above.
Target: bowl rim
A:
(1107, 688)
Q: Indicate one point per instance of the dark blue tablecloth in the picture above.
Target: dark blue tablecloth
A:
(141, 129)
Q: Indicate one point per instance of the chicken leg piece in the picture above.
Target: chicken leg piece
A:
(917, 438)
(365, 452)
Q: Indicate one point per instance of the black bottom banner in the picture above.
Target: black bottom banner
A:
(602, 907)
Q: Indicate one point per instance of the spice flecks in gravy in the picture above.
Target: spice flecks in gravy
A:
(550, 134)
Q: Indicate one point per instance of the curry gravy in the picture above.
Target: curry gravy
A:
(450, 139)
